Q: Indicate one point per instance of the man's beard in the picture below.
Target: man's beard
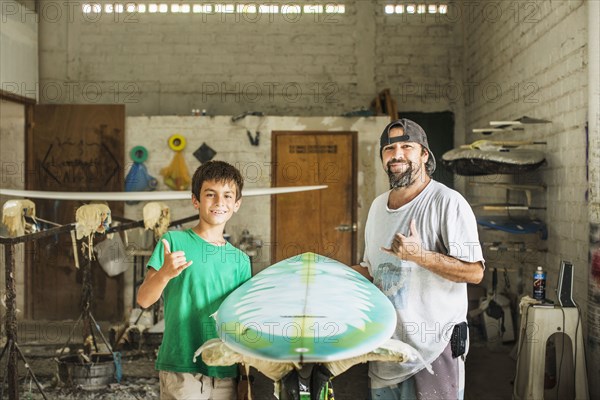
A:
(400, 179)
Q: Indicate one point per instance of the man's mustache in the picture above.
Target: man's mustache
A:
(397, 161)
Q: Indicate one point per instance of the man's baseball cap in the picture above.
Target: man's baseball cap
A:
(412, 133)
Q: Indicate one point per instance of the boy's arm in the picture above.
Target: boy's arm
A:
(151, 289)
(156, 281)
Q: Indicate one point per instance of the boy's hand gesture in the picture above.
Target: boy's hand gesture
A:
(174, 263)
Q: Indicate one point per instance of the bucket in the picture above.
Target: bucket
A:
(89, 376)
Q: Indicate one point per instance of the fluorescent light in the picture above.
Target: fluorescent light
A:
(313, 9)
(290, 9)
(335, 9)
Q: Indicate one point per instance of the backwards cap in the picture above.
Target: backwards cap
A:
(412, 133)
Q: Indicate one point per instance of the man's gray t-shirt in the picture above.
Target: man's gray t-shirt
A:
(428, 306)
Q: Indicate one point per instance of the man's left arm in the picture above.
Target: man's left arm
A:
(410, 248)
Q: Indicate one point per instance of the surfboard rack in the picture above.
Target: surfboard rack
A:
(527, 189)
(519, 247)
(511, 125)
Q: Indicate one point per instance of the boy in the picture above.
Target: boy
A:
(197, 269)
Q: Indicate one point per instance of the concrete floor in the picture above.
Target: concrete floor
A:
(490, 370)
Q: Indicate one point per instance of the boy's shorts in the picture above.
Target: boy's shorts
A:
(185, 385)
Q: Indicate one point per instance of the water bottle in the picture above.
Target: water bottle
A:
(539, 284)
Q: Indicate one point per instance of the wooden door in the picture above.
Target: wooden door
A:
(72, 148)
(322, 221)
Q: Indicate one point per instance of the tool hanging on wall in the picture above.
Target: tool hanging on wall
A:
(176, 175)
(138, 179)
(204, 153)
(253, 140)
(246, 113)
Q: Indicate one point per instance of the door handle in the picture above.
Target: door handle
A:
(346, 228)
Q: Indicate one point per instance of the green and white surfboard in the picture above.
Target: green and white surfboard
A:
(308, 308)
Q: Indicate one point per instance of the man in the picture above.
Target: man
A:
(421, 250)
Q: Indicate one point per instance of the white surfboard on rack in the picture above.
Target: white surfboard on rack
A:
(144, 196)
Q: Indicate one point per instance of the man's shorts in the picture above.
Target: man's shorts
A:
(446, 382)
(183, 385)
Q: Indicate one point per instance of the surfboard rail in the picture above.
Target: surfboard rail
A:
(144, 196)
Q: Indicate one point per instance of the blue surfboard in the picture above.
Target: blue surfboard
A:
(518, 225)
(307, 308)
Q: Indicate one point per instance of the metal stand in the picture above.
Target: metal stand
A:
(89, 322)
(11, 347)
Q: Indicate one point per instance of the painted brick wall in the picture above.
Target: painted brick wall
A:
(529, 58)
(308, 64)
(169, 64)
(593, 355)
(418, 56)
(19, 51)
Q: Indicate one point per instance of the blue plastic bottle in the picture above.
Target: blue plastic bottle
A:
(539, 284)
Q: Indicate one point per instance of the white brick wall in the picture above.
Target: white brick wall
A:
(419, 58)
(529, 58)
(169, 64)
(537, 54)
(19, 50)
(165, 64)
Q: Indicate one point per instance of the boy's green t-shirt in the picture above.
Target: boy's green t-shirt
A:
(192, 297)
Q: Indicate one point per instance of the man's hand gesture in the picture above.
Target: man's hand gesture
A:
(406, 247)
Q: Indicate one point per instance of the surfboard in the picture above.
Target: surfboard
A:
(513, 125)
(517, 225)
(473, 162)
(307, 308)
(525, 120)
(144, 196)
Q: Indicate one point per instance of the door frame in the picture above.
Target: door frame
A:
(354, 184)
(28, 104)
